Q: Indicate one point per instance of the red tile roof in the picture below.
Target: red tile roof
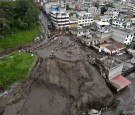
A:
(120, 82)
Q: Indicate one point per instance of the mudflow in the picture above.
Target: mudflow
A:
(63, 82)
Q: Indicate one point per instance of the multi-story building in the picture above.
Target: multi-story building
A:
(122, 23)
(103, 26)
(112, 13)
(113, 68)
(104, 18)
(60, 19)
(84, 4)
(131, 8)
(84, 19)
(124, 36)
(94, 11)
(49, 5)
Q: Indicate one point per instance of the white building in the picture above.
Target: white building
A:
(104, 19)
(84, 19)
(122, 35)
(113, 69)
(85, 4)
(121, 23)
(131, 8)
(103, 26)
(112, 13)
(50, 4)
(94, 11)
(60, 19)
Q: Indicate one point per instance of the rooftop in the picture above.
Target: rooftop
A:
(119, 82)
(103, 23)
(113, 46)
(89, 39)
(122, 30)
(110, 62)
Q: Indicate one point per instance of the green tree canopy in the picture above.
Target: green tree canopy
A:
(21, 13)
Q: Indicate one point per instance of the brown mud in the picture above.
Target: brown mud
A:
(63, 83)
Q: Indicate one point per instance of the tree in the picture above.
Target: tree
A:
(20, 13)
(67, 7)
(96, 4)
(4, 26)
(103, 10)
(109, 5)
(21, 24)
(28, 13)
(31, 16)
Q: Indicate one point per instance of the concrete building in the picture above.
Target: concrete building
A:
(122, 8)
(104, 18)
(112, 66)
(103, 26)
(71, 4)
(122, 22)
(112, 13)
(112, 48)
(60, 19)
(94, 11)
(49, 5)
(123, 36)
(85, 4)
(131, 8)
(73, 22)
(113, 69)
(84, 18)
(89, 40)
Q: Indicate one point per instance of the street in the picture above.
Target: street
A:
(44, 26)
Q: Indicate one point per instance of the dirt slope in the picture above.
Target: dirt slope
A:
(81, 82)
(65, 84)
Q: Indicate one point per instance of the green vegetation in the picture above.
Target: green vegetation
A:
(20, 13)
(71, 14)
(15, 67)
(67, 7)
(20, 37)
(132, 45)
(103, 10)
(119, 111)
(96, 4)
(18, 22)
(110, 4)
